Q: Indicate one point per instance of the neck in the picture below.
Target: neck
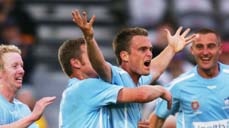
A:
(81, 75)
(134, 76)
(78, 76)
(209, 73)
(7, 93)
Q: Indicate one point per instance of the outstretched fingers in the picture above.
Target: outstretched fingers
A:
(44, 102)
(92, 20)
(40, 106)
(168, 34)
(47, 100)
(84, 17)
(185, 32)
(81, 20)
(75, 14)
(190, 38)
(179, 30)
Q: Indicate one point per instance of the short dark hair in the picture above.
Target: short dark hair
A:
(121, 41)
(207, 30)
(68, 50)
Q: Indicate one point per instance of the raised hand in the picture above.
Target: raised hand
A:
(179, 40)
(82, 21)
(40, 107)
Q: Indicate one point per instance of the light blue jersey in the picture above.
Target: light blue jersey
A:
(200, 102)
(126, 115)
(11, 112)
(83, 103)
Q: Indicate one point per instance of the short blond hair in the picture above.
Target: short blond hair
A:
(6, 49)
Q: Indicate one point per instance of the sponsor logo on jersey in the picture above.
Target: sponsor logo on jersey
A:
(212, 124)
(226, 103)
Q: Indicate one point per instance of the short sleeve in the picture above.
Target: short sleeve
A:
(98, 92)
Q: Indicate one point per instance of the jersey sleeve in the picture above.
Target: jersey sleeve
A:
(146, 79)
(98, 92)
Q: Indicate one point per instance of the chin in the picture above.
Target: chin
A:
(206, 67)
(19, 85)
(145, 73)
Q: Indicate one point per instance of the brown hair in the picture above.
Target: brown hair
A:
(207, 30)
(68, 50)
(121, 41)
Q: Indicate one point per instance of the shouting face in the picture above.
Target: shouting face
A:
(139, 56)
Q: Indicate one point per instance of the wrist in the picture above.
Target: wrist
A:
(88, 38)
(172, 50)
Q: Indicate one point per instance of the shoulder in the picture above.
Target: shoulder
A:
(21, 105)
(116, 69)
(224, 68)
(90, 85)
(182, 79)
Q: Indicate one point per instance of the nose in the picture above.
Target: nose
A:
(21, 70)
(149, 53)
(205, 51)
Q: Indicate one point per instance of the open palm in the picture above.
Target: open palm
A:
(178, 41)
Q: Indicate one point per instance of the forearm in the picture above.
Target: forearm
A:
(97, 60)
(22, 123)
(161, 62)
(155, 121)
(152, 92)
(141, 94)
(95, 55)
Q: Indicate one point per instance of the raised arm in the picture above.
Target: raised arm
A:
(176, 43)
(144, 94)
(34, 116)
(95, 55)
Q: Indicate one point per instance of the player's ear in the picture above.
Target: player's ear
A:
(124, 55)
(75, 63)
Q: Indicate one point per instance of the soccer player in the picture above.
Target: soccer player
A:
(85, 101)
(200, 96)
(13, 113)
(132, 47)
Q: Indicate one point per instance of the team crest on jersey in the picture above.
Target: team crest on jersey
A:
(195, 105)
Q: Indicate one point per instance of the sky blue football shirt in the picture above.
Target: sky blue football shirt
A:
(84, 102)
(200, 102)
(126, 115)
(11, 112)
